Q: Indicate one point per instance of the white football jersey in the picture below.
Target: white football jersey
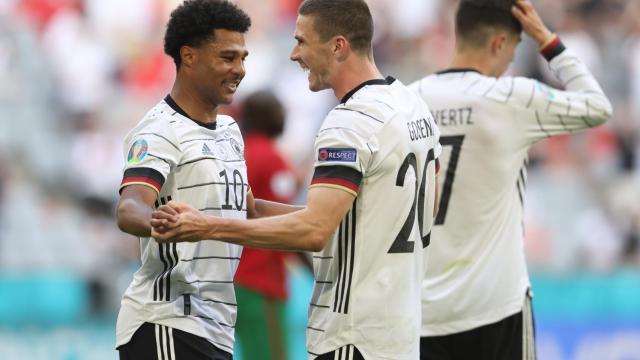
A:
(381, 145)
(186, 286)
(476, 271)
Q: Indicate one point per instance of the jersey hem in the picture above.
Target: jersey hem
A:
(487, 318)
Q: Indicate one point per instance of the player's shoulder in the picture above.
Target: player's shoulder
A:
(419, 86)
(367, 110)
(453, 83)
(516, 91)
(357, 117)
(226, 122)
(159, 120)
(510, 91)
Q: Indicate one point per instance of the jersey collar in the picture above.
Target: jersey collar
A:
(457, 70)
(169, 100)
(388, 81)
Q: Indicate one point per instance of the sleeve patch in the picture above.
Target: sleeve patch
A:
(340, 176)
(334, 154)
(548, 92)
(142, 175)
(552, 49)
(137, 152)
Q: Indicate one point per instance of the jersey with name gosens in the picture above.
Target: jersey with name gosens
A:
(476, 271)
(186, 286)
(381, 145)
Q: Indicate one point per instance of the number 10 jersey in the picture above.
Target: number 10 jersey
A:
(186, 286)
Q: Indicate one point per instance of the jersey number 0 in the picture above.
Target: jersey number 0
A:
(402, 244)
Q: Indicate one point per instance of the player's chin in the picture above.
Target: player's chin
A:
(316, 86)
(226, 99)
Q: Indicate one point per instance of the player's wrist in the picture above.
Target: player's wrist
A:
(551, 47)
(545, 39)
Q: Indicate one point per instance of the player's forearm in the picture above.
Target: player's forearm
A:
(584, 99)
(584, 93)
(265, 208)
(295, 231)
(134, 218)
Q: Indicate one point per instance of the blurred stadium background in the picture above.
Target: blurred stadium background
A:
(75, 75)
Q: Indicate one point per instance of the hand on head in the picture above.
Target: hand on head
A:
(531, 22)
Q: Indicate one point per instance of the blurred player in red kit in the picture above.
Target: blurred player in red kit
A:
(261, 286)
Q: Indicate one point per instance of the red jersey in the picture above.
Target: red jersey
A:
(271, 179)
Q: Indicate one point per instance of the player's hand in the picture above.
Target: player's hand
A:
(163, 216)
(178, 222)
(527, 15)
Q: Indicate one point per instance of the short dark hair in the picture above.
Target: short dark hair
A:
(475, 18)
(194, 22)
(349, 18)
(262, 113)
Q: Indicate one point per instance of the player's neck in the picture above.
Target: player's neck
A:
(193, 104)
(352, 73)
(477, 60)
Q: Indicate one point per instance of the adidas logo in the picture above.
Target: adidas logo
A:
(206, 150)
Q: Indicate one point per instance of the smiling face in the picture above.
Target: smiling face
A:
(218, 67)
(313, 54)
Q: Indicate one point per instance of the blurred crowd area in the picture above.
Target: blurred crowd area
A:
(76, 75)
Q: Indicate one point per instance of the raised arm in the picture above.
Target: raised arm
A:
(582, 103)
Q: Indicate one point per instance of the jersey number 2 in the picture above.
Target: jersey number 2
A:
(402, 244)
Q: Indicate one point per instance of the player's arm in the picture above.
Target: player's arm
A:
(582, 104)
(149, 155)
(135, 208)
(258, 208)
(308, 229)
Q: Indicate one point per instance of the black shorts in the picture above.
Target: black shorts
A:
(172, 344)
(511, 338)
(348, 352)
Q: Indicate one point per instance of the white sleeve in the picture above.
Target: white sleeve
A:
(342, 157)
(150, 154)
(546, 111)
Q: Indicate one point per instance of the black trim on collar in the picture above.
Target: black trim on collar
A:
(169, 100)
(457, 70)
(388, 81)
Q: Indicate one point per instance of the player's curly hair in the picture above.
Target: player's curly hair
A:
(194, 22)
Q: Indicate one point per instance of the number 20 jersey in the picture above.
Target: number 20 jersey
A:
(186, 286)
(476, 270)
(381, 145)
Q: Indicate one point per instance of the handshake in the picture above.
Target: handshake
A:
(179, 222)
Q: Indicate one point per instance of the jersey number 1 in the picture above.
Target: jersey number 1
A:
(402, 244)
(236, 175)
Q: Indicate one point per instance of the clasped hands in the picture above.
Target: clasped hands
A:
(179, 222)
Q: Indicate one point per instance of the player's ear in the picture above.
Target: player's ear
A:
(340, 47)
(498, 42)
(188, 55)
